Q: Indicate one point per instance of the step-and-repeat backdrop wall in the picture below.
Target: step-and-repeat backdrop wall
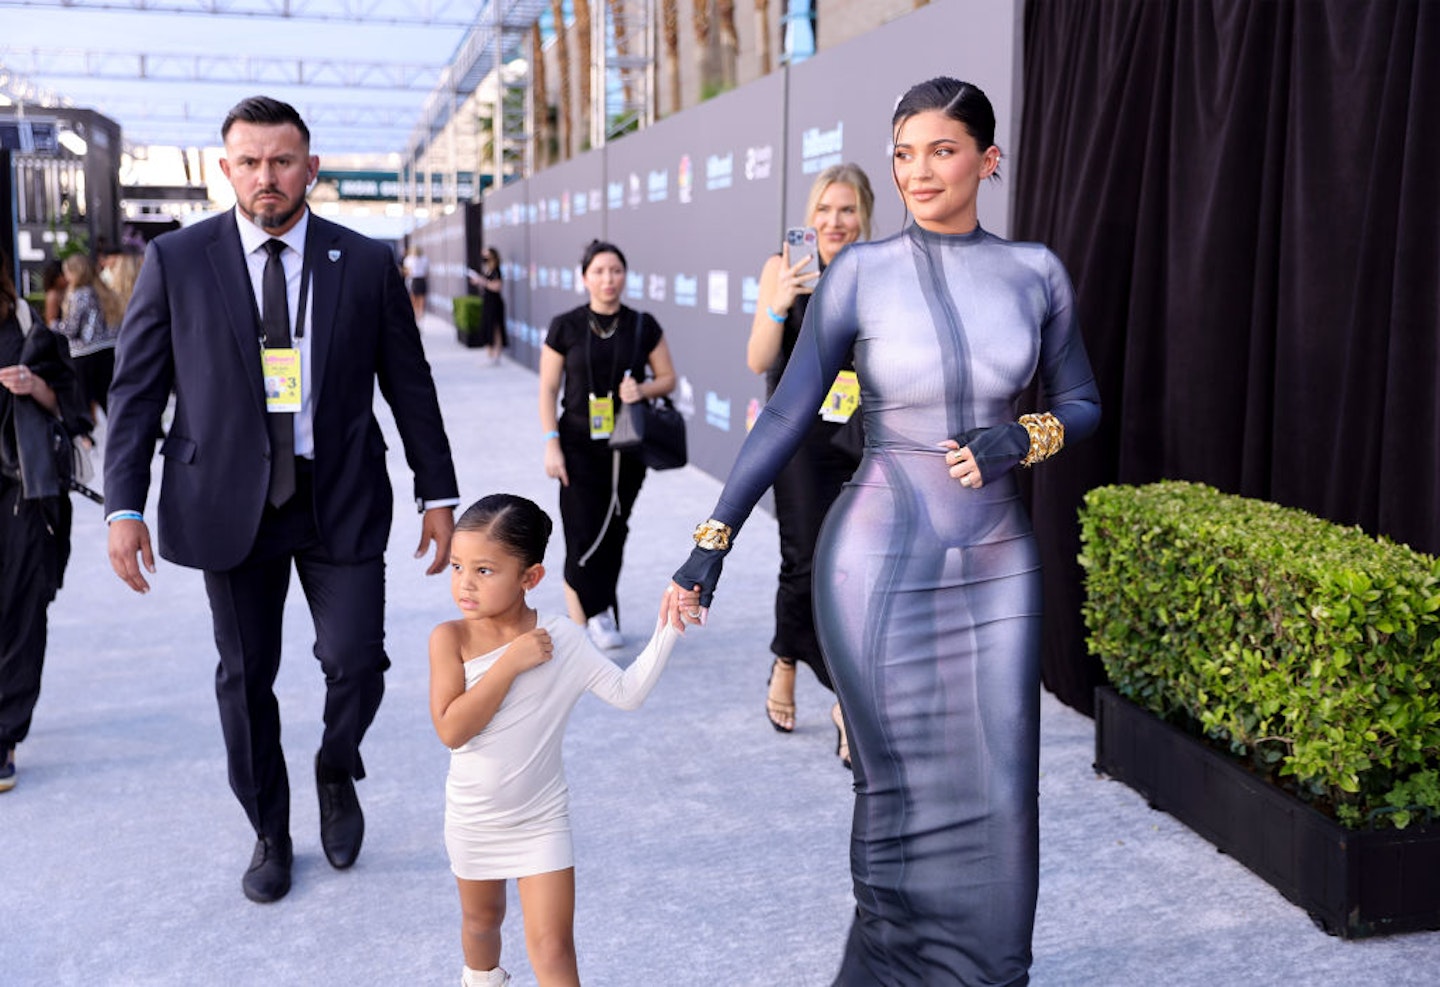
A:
(698, 201)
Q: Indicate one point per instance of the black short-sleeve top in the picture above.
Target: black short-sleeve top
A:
(596, 365)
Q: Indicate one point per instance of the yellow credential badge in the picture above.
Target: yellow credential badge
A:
(843, 399)
(602, 416)
(282, 379)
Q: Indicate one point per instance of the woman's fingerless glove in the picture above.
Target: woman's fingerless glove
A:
(1000, 448)
(712, 544)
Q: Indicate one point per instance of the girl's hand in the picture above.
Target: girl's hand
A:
(529, 650)
(680, 607)
(555, 462)
(962, 465)
(630, 390)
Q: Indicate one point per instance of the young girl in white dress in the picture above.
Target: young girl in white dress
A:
(503, 681)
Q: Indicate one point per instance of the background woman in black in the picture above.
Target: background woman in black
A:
(492, 315)
(599, 354)
(34, 533)
(839, 208)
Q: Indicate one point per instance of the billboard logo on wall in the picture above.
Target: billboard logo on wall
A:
(687, 290)
(757, 162)
(634, 190)
(565, 206)
(657, 186)
(567, 279)
(594, 200)
(615, 195)
(684, 180)
(749, 293)
(717, 411)
(657, 287)
(635, 286)
(752, 412)
(719, 171)
(555, 208)
(819, 149)
(578, 204)
(684, 397)
(719, 300)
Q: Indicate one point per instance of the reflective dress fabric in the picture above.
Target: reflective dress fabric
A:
(927, 593)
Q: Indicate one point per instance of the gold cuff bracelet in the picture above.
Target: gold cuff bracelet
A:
(713, 535)
(1047, 437)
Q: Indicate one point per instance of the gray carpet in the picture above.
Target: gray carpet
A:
(710, 848)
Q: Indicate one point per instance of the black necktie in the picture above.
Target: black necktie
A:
(275, 317)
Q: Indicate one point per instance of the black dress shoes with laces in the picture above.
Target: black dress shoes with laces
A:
(268, 877)
(342, 824)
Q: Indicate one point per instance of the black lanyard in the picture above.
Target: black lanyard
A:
(299, 329)
(614, 354)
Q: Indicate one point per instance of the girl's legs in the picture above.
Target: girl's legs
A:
(482, 909)
(548, 903)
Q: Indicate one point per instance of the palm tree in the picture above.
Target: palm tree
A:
(622, 43)
(700, 17)
(670, 17)
(762, 34)
(539, 129)
(729, 42)
(562, 61)
(582, 39)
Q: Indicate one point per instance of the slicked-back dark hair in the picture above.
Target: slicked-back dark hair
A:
(962, 101)
(515, 522)
(597, 247)
(267, 111)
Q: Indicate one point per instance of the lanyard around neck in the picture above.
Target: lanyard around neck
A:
(298, 330)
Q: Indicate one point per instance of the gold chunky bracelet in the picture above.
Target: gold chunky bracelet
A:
(1047, 437)
(714, 535)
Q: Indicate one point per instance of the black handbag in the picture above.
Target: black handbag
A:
(652, 429)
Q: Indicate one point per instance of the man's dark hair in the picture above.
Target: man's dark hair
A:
(267, 111)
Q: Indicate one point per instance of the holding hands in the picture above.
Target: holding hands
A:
(680, 607)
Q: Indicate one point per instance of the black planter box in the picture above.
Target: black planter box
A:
(1354, 883)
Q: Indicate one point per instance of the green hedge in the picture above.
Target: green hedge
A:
(466, 310)
(1310, 648)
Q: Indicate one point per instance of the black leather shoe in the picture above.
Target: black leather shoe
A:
(268, 877)
(342, 824)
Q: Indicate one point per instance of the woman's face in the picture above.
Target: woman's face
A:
(836, 219)
(938, 169)
(605, 279)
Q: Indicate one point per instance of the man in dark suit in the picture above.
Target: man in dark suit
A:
(274, 457)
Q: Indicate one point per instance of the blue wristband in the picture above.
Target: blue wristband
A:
(552, 434)
(125, 516)
(773, 317)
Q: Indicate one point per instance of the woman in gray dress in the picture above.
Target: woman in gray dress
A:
(927, 579)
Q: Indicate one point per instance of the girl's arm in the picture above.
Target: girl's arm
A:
(459, 714)
(627, 689)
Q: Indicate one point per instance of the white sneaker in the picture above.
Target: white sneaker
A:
(603, 632)
(484, 978)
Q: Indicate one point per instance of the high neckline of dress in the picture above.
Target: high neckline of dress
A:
(974, 236)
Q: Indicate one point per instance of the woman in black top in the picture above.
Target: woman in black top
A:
(599, 354)
(839, 209)
(35, 368)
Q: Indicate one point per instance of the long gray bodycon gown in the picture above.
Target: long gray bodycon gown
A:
(927, 593)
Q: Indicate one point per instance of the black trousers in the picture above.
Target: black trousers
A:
(347, 603)
(804, 490)
(34, 543)
(584, 505)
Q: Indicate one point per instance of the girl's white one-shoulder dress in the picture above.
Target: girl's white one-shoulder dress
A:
(506, 801)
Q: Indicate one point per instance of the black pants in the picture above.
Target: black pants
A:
(34, 544)
(583, 508)
(804, 491)
(347, 603)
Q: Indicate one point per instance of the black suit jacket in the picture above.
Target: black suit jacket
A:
(192, 325)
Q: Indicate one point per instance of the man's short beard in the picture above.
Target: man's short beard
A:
(273, 220)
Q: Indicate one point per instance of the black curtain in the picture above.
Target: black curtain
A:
(1246, 194)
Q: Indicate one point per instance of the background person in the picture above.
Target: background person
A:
(839, 208)
(492, 313)
(253, 485)
(503, 681)
(417, 279)
(35, 367)
(598, 352)
(928, 598)
(90, 319)
(52, 281)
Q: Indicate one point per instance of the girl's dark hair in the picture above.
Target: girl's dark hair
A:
(597, 247)
(518, 524)
(962, 101)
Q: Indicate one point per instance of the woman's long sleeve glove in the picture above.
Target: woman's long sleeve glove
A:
(702, 569)
(997, 448)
